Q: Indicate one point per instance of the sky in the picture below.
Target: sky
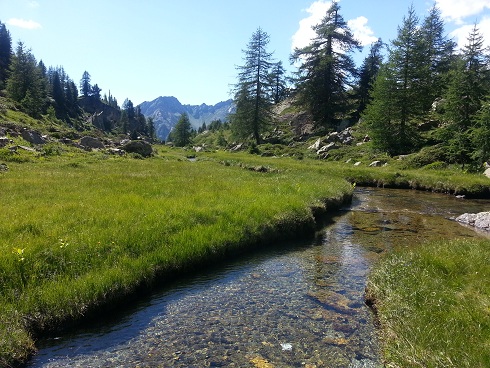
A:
(190, 49)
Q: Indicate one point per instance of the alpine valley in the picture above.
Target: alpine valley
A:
(166, 111)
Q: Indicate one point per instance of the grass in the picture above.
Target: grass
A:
(81, 232)
(433, 304)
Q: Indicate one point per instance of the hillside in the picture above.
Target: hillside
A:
(166, 111)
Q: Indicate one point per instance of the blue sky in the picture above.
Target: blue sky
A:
(190, 48)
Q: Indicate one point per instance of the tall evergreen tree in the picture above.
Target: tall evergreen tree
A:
(85, 86)
(400, 91)
(480, 134)
(252, 98)
(327, 69)
(439, 55)
(25, 83)
(278, 82)
(367, 75)
(5, 53)
(469, 84)
(182, 131)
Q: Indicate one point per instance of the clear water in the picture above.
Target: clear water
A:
(299, 305)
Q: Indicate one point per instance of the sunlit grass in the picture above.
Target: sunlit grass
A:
(77, 233)
(433, 304)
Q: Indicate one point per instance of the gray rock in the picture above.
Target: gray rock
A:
(141, 147)
(33, 137)
(376, 164)
(327, 148)
(316, 146)
(358, 163)
(487, 173)
(479, 220)
(4, 141)
(91, 142)
(4, 167)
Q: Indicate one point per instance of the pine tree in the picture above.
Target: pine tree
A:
(182, 131)
(439, 55)
(85, 86)
(5, 54)
(278, 82)
(480, 134)
(327, 69)
(25, 83)
(400, 91)
(253, 104)
(463, 98)
(367, 75)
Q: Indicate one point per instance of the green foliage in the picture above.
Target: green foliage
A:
(252, 92)
(327, 69)
(181, 133)
(432, 303)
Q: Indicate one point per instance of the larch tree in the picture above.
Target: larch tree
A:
(252, 92)
(400, 91)
(327, 70)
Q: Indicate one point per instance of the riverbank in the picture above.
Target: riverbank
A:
(82, 234)
(432, 302)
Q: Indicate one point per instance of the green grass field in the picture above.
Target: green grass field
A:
(82, 231)
(433, 304)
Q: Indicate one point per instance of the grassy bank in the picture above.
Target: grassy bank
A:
(433, 305)
(83, 231)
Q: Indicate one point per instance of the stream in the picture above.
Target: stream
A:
(291, 305)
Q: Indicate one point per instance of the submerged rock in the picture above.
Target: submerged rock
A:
(479, 220)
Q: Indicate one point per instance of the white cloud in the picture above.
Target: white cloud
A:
(456, 10)
(461, 34)
(22, 23)
(305, 33)
(362, 32)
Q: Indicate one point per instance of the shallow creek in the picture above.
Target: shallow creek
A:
(292, 305)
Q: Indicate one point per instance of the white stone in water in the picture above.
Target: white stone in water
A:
(287, 347)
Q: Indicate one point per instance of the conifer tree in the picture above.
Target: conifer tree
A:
(252, 91)
(5, 54)
(85, 86)
(278, 82)
(469, 83)
(25, 83)
(400, 91)
(327, 69)
(182, 131)
(367, 75)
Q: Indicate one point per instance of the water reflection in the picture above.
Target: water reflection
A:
(299, 306)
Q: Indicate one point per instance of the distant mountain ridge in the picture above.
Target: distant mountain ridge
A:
(166, 111)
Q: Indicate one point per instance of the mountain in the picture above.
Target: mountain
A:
(166, 111)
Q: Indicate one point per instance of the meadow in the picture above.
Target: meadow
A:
(83, 232)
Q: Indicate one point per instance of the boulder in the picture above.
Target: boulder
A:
(4, 141)
(33, 137)
(487, 173)
(3, 167)
(479, 220)
(358, 163)
(140, 147)
(91, 142)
